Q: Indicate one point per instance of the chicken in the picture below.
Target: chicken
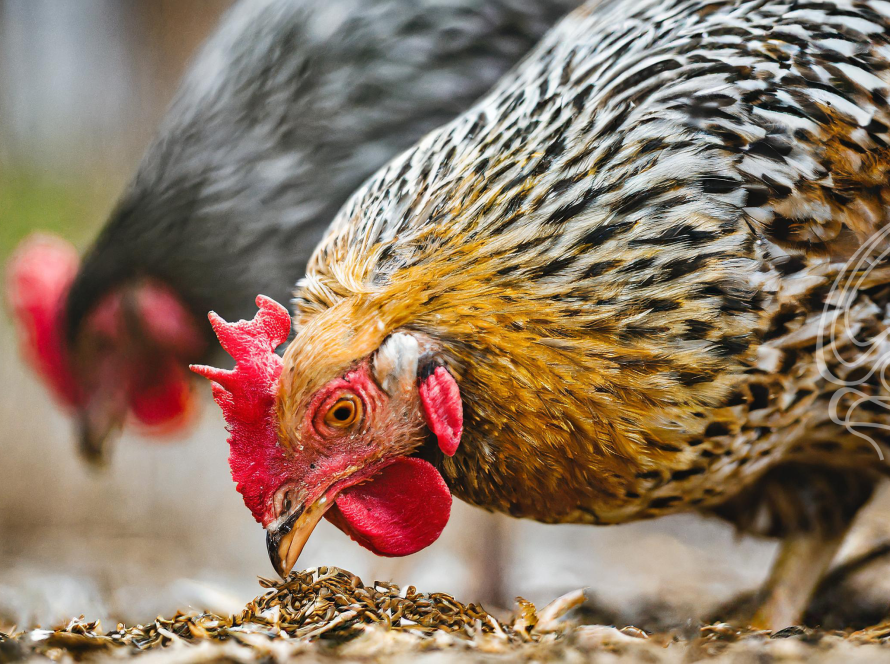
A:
(639, 277)
(287, 109)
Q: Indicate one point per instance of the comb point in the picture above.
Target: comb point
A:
(247, 394)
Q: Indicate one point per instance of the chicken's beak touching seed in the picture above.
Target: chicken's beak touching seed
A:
(286, 542)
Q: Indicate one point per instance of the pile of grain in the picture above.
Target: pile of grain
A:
(322, 604)
(327, 614)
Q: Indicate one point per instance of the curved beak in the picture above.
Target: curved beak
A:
(286, 542)
(98, 425)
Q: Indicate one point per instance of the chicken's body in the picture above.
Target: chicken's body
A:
(623, 254)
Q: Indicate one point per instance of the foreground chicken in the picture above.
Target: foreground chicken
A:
(629, 282)
(288, 108)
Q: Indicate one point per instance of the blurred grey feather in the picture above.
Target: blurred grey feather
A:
(286, 110)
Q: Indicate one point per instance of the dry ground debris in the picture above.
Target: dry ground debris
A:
(327, 614)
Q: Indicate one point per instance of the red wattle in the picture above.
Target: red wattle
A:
(443, 409)
(400, 511)
(166, 405)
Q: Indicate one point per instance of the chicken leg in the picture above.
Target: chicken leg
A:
(802, 561)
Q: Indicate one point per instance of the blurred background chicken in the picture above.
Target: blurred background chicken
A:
(285, 111)
(636, 275)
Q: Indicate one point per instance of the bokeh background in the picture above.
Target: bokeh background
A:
(83, 84)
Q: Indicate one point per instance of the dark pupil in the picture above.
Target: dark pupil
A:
(343, 413)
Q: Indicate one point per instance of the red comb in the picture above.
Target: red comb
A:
(38, 277)
(247, 396)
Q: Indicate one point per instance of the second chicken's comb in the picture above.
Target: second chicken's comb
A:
(247, 394)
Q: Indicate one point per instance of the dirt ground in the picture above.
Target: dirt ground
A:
(581, 644)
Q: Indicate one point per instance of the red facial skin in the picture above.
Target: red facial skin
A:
(131, 358)
(356, 469)
(131, 351)
(387, 502)
(328, 459)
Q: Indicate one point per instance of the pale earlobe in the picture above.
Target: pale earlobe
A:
(395, 363)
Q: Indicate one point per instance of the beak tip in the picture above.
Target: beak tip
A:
(95, 440)
(272, 550)
(273, 542)
(95, 454)
(285, 544)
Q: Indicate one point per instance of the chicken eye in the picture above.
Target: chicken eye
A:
(344, 413)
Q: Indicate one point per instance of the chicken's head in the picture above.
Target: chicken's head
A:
(345, 446)
(127, 358)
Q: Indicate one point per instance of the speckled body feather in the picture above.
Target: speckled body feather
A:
(625, 251)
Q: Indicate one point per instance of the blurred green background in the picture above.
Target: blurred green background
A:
(82, 87)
